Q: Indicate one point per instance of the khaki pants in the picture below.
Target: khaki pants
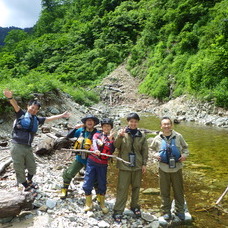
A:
(125, 179)
(23, 159)
(71, 171)
(174, 180)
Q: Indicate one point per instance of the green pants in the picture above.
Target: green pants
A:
(174, 180)
(125, 179)
(71, 171)
(23, 159)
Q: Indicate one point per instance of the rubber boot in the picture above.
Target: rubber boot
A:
(98, 198)
(104, 209)
(64, 191)
(63, 194)
(88, 204)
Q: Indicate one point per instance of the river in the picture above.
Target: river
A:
(205, 172)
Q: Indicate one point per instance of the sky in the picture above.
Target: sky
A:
(19, 13)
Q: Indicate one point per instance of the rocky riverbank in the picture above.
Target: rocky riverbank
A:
(51, 211)
(121, 89)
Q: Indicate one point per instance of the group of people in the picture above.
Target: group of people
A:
(169, 148)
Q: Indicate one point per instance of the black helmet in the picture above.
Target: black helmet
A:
(107, 121)
(90, 116)
(133, 115)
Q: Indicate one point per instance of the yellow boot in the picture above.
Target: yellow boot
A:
(98, 198)
(104, 209)
(63, 194)
(88, 204)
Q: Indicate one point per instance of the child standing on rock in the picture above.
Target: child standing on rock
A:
(133, 147)
(24, 130)
(96, 168)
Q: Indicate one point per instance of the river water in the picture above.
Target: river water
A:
(205, 173)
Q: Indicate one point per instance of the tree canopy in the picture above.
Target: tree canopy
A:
(175, 47)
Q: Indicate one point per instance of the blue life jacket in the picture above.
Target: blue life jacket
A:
(27, 122)
(169, 150)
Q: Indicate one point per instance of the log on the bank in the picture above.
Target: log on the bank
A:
(49, 142)
(11, 203)
(3, 165)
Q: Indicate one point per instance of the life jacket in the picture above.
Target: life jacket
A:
(82, 142)
(169, 149)
(27, 122)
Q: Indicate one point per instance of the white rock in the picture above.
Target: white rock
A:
(51, 203)
(103, 224)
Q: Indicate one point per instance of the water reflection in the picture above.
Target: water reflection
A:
(208, 147)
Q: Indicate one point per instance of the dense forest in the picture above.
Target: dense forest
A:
(4, 32)
(175, 46)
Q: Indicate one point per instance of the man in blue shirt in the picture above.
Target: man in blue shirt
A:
(84, 134)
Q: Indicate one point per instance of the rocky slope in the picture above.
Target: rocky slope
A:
(184, 108)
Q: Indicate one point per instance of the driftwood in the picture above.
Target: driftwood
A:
(11, 203)
(110, 87)
(3, 165)
(93, 152)
(50, 142)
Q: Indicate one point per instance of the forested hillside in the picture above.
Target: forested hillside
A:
(4, 32)
(175, 47)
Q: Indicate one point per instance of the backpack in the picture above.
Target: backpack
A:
(169, 149)
(27, 122)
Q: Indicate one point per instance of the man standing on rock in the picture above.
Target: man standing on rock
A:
(171, 150)
(133, 147)
(84, 134)
(24, 130)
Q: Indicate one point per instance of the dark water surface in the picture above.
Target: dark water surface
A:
(205, 173)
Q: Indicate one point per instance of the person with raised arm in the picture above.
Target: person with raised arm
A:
(24, 129)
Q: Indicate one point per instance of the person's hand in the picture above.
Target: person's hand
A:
(66, 115)
(143, 169)
(122, 132)
(77, 126)
(182, 158)
(111, 136)
(97, 152)
(8, 93)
